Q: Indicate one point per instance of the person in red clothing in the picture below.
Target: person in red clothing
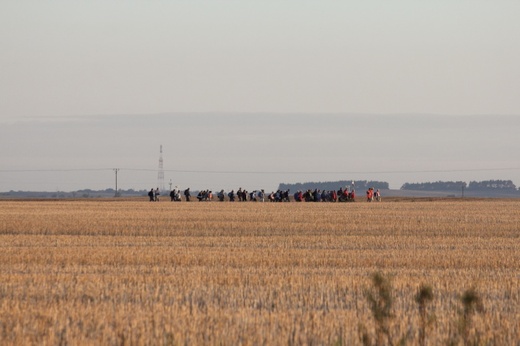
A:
(370, 194)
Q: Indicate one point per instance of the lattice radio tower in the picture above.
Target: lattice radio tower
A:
(160, 172)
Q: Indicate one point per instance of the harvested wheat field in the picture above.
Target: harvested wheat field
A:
(131, 272)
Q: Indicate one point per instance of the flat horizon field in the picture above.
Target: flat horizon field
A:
(128, 271)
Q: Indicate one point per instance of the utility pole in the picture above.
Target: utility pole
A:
(170, 184)
(116, 170)
(160, 172)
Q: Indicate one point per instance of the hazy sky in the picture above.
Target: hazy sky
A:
(64, 63)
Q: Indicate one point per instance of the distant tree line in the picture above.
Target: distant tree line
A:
(360, 185)
(492, 185)
(486, 185)
(435, 186)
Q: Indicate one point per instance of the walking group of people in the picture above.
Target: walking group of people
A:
(316, 195)
(154, 195)
(373, 195)
(242, 195)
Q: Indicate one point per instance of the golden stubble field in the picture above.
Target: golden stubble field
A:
(131, 272)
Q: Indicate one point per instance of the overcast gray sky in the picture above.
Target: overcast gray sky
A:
(80, 81)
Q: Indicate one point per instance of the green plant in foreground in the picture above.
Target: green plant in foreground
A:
(471, 304)
(380, 299)
(422, 298)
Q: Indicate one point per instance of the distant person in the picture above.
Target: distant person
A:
(187, 194)
(157, 193)
(151, 194)
(176, 195)
(377, 195)
(285, 196)
(324, 195)
(370, 194)
(261, 195)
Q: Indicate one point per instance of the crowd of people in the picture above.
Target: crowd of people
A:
(242, 195)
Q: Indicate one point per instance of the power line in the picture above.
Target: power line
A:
(264, 172)
(55, 170)
(346, 172)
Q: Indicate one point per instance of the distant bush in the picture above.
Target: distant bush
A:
(486, 185)
(435, 186)
(492, 185)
